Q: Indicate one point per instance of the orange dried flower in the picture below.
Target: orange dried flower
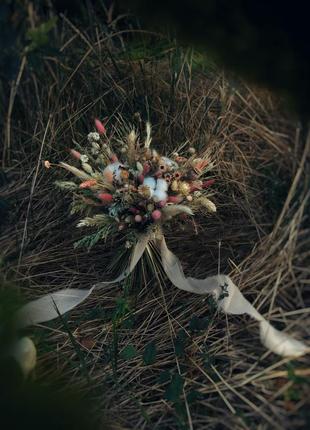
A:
(88, 184)
(200, 164)
(124, 174)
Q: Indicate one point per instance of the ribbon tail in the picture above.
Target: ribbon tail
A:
(137, 253)
(52, 305)
(280, 343)
(230, 300)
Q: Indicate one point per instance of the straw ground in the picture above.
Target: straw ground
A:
(152, 356)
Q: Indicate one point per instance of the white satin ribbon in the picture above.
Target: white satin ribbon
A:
(233, 302)
(52, 305)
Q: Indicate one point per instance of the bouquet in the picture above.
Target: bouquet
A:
(124, 186)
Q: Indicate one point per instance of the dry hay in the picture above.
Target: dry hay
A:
(261, 195)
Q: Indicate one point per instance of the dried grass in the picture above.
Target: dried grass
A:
(258, 153)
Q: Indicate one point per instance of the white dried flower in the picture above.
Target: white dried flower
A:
(192, 150)
(84, 159)
(148, 139)
(93, 137)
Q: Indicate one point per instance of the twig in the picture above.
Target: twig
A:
(31, 193)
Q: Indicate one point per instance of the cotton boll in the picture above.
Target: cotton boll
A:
(150, 182)
(159, 195)
(161, 185)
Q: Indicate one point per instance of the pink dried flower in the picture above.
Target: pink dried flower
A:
(100, 127)
(156, 215)
(140, 179)
(105, 197)
(133, 210)
(47, 164)
(208, 183)
(138, 218)
(75, 154)
(175, 199)
(146, 168)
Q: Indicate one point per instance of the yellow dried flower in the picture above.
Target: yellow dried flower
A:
(174, 186)
(184, 188)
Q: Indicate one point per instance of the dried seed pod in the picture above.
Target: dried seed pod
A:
(167, 177)
(177, 175)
